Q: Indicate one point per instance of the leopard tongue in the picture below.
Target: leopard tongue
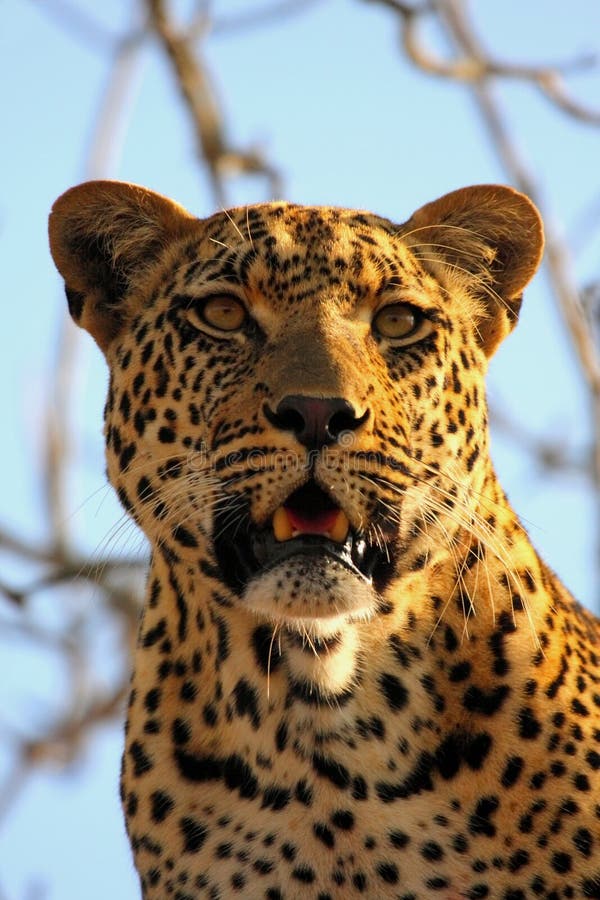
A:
(331, 523)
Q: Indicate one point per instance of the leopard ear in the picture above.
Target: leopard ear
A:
(493, 236)
(104, 237)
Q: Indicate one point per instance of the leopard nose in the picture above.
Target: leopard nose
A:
(315, 421)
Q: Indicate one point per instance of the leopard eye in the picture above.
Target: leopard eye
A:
(401, 323)
(223, 312)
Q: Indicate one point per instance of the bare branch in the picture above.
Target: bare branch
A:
(83, 27)
(261, 15)
(195, 85)
(476, 64)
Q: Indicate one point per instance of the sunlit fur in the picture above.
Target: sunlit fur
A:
(306, 731)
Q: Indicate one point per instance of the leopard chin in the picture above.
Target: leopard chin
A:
(314, 587)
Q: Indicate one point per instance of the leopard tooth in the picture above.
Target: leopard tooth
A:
(340, 529)
(282, 527)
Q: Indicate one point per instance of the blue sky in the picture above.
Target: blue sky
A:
(329, 98)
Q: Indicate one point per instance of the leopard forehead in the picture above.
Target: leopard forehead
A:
(284, 255)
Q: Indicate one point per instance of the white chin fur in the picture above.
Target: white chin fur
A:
(307, 589)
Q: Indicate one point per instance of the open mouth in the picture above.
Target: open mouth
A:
(309, 523)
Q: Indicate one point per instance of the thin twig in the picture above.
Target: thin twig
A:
(196, 88)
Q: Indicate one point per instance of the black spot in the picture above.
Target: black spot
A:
(359, 788)
(125, 406)
(246, 702)
(395, 692)
(398, 839)
(281, 737)
(529, 727)
(263, 866)
(476, 749)
(266, 649)
(183, 536)
(512, 771)
(432, 851)
(181, 731)
(304, 793)
(388, 872)
(561, 862)
(591, 886)
(479, 821)
(581, 782)
(579, 708)
(275, 797)
(324, 834)
(487, 703)
(198, 767)
(222, 638)
(239, 776)
(288, 851)
(460, 671)
(304, 874)
(193, 833)
(210, 714)
(153, 635)
(450, 639)
(343, 819)
(141, 761)
(188, 691)
(161, 805)
(126, 455)
(583, 841)
(436, 884)
(359, 881)
(125, 499)
(152, 700)
(478, 892)
(416, 781)
(331, 769)
(448, 757)
(518, 860)
(166, 435)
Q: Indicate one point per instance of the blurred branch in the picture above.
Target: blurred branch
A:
(476, 63)
(75, 21)
(259, 16)
(196, 88)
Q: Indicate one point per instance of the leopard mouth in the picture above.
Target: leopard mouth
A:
(309, 523)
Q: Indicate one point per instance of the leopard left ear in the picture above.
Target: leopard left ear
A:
(105, 236)
(494, 236)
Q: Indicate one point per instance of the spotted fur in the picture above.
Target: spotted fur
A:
(413, 714)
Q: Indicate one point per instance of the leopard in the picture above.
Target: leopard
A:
(354, 674)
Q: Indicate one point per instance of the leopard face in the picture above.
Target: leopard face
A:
(297, 401)
(352, 668)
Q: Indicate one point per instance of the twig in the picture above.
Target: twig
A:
(259, 16)
(476, 63)
(195, 86)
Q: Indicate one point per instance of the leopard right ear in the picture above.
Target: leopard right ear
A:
(104, 237)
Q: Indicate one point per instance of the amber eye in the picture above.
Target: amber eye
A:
(222, 312)
(401, 322)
